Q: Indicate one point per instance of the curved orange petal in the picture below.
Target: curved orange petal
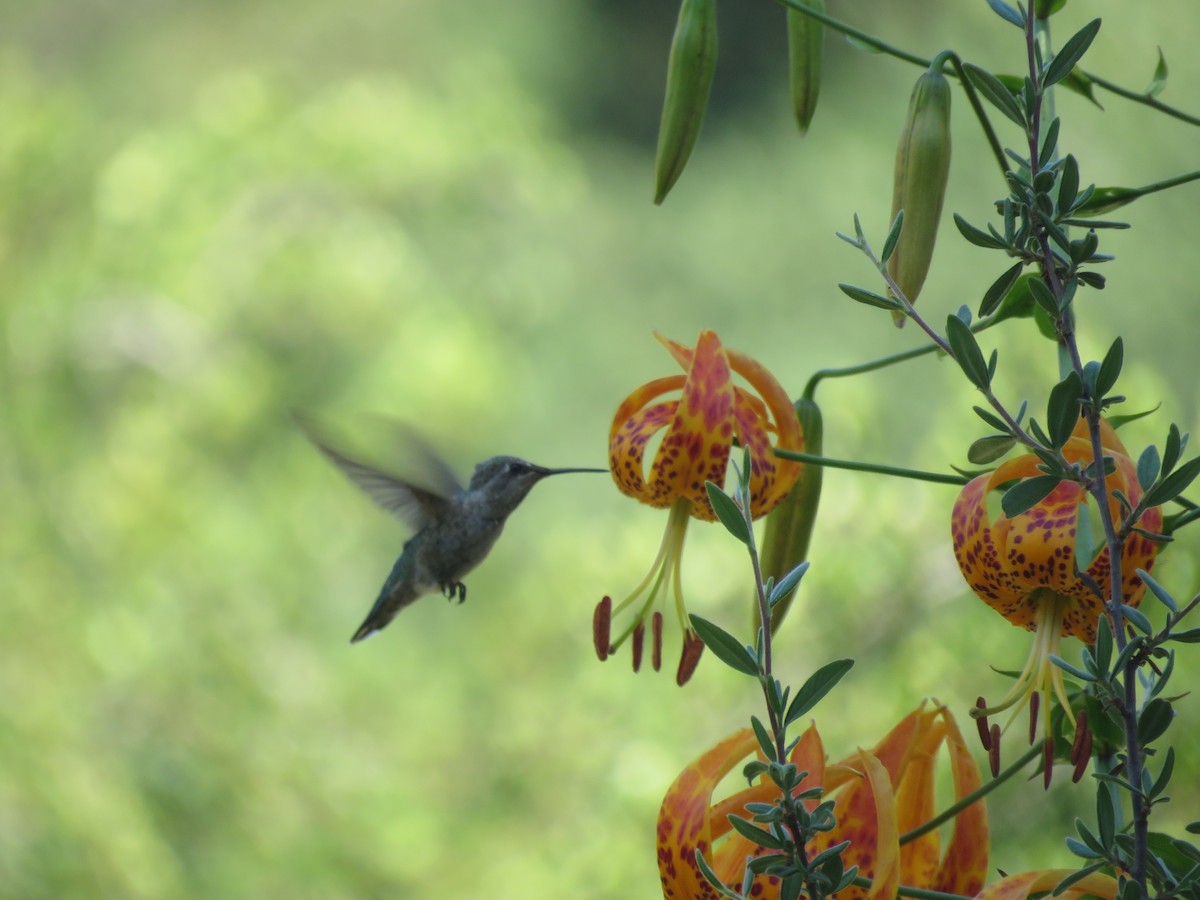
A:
(1021, 885)
(964, 866)
(695, 448)
(915, 807)
(866, 816)
(634, 423)
(684, 820)
(774, 476)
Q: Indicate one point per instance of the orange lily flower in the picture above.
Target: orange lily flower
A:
(699, 428)
(1025, 884)
(878, 794)
(1024, 568)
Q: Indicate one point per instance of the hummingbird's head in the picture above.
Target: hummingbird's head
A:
(501, 483)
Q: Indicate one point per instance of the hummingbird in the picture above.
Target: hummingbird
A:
(454, 528)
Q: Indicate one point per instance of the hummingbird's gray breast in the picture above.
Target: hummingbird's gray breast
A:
(453, 547)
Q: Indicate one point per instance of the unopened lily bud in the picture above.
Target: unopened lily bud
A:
(790, 524)
(922, 167)
(804, 60)
(689, 80)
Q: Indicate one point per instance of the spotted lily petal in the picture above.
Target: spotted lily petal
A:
(684, 822)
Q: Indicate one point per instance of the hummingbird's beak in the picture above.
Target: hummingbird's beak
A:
(543, 471)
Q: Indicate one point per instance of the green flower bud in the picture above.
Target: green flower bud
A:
(689, 80)
(922, 168)
(790, 524)
(804, 54)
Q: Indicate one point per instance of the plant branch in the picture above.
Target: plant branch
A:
(818, 460)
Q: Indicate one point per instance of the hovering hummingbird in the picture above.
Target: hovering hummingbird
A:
(454, 527)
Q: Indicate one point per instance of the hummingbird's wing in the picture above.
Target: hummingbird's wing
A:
(415, 505)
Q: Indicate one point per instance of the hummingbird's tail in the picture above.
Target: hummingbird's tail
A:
(384, 611)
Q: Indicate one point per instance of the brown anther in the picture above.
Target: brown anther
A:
(1085, 754)
(602, 627)
(1081, 731)
(639, 635)
(981, 722)
(656, 626)
(1034, 702)
(994, 750)
(693, 647)
(1047, 761)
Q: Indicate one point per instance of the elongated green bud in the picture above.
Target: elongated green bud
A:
(689, 81)
(922, 167)
(805, 36)
(790, 524)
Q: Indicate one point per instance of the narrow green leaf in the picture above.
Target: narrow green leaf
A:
(711, 877)
(1062, 410)
(1007, 13)
(966, 352)
(976, 236)
(1160, 592)
(995, 92)
(1072, 51)
(1159, 81)
(1148, 467)
(1050, 144)
(1110, 369)
(725, 646)
(1106, 816)
(1137, 619)
(1068, 185)
(1154, 720)
(1080, 84)
(870, 298)
(1043, 296)
(787, 584)
(999, 290)
(1073, 670)
(1164, 776)
(1025, 494)
(1172, 449)
(990, 448)
(992, 419)
(765, 741)
(1174, 484)
(1119, 422)
(889, 243)
(1187, 636)
(820, 683)
(1087, 548)
(728, 512)
(1104, 644)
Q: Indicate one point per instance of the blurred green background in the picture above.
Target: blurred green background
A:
(215, 211)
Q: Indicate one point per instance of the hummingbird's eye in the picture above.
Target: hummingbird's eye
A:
(515, 468)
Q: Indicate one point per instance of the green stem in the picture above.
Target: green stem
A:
(869, 39)
(885, 361)
(950, 812)
(916, 475)
(1142, 98)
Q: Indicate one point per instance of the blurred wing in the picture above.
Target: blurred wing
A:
(413, 505)
(431, 470)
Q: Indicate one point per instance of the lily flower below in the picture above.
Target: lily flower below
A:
(879, 795)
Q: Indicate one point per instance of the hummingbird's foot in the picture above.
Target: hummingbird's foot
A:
(452, 588)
